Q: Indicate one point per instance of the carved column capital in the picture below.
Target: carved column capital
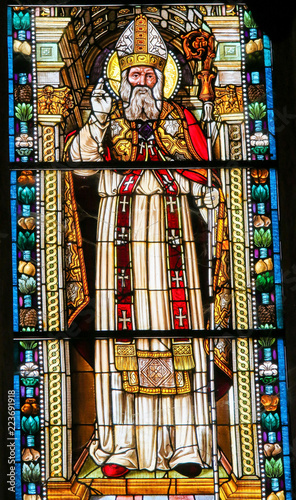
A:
(54, 104)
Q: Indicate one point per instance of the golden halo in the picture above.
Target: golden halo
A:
(171, 75)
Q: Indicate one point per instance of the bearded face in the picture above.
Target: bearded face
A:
(141, 91)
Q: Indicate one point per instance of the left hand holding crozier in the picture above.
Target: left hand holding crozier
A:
(211, 197)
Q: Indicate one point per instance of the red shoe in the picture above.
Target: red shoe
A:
(113, 470)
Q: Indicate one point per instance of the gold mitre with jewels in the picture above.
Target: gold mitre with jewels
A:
(141, 45)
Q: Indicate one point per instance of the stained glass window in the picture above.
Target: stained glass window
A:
(147, 300)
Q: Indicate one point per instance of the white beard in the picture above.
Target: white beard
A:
(141, 102)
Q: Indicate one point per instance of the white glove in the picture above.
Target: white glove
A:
(101, 102)
(211, 197)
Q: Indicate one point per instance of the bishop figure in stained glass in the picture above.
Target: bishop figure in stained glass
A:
(151, 394)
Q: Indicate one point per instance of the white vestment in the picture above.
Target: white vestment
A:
(141, 431)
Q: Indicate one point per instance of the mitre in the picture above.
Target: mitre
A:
(141, 45)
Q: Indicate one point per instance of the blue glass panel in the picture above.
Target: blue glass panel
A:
(14, 264)
(267, 57)
(255, 76)
(10, 57)
(10, 86)
(281, 360)
(277, 269)
(9, 21)
(11, 105)
(272, 147)
(273, 189)
(11, 148)
(270, 118)
(266, 42)
(17, 437)
(17, 402)
(18, 481)
(269, 102)
(287, 474)
(12, 189)
(275, 231)
(283, 403)
(13, 208)
(269, 90)
(15, 308)
(11, 126)
(279, 306)
(284, 417)
(13, 179)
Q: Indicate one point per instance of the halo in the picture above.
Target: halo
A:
(172, 75)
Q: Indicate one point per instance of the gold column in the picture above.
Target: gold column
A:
(55, 409)
(53, 104)
(242, 323)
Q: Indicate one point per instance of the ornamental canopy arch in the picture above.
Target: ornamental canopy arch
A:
(83, 37)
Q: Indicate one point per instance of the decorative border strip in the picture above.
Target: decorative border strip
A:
(274, 421)
(42, 403)
(258, 418)
(11, 130)
(27, 385)
(21, 57)
(259, 92)
(245, 406)
(39, 219)
(26, 251)
(266, 253)
(51, 250)
(254, 314)
(276, 248)
(22, 75)
(23, 231)
(244, 82)
(34, 84)
(238, 249)
(14, 252)
(284, 418)
(269, 95)
(55, 409)
(15, 396)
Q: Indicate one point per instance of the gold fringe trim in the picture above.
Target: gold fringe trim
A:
(126, 357)
(183, 357)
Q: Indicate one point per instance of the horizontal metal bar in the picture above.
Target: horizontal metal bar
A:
(183, 164)
(87, 335)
